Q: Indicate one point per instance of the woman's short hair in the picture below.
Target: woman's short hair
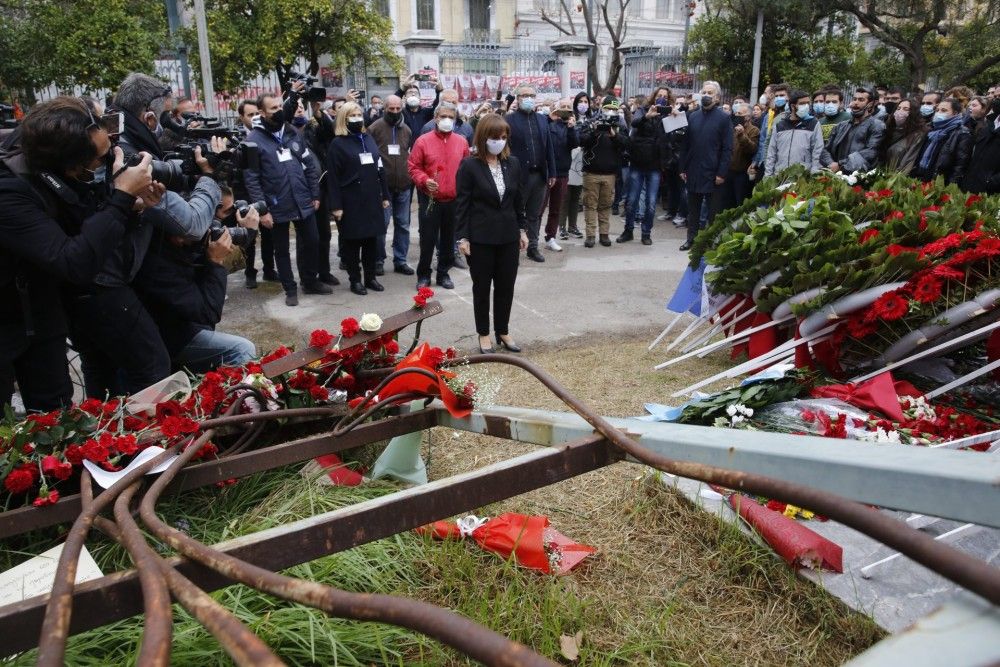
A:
(349, 107)
(57, 135)
(491, 126)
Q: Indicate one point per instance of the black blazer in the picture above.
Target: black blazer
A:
(481, 215)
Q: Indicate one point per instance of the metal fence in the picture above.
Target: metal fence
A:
(649, 67)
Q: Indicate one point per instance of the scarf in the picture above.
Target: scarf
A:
(941, 131)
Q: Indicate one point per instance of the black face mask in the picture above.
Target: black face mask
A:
(737, 120)
(890, 107)
(392, 117)
(995, 107)
(275, 121)
(682, 106)
(355, 125)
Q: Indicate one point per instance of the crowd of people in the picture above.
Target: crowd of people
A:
(95, 248)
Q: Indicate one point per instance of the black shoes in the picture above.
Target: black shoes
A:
(380, 269)
(251, 282)
(359, 289)
(573, 231)
(589, 243)
(404, 269)
(291, 299)
(686, 246)
(510, 347)
(625, 237)
(443, 281)
(423, 282)
(317, 288)
(647, 240)
(343, 267)
(374, 285)
(615, 210)
(270, 276)
(605, 240)
(329, 279)
(534, 255)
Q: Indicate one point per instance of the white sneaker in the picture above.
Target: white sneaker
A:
(553, 246)
(680, 220)
(663, 216)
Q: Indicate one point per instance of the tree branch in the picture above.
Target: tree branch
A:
(554, 23)
(975, 70)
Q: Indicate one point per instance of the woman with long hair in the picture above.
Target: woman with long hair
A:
(904, 134)
(491, 227)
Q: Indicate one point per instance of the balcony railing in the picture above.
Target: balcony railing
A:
(481, 36)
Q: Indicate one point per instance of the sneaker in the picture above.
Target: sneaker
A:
(553, 246)
(680, 221)
(625, 237)
(664, 216)
(589, 243)
(564, 236)
(573, 231)
(647, 241)
(291, 299)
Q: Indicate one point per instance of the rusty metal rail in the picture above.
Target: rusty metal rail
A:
(207, 567)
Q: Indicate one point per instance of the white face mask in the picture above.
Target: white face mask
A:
(495, 146)
(446, 124)
(545, 111)
(762, 100)
(412, 101)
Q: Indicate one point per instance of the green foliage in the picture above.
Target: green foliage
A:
(954, 56)
(248, 38)
(90, 43)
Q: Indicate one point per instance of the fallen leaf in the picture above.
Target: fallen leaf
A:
(569, 645)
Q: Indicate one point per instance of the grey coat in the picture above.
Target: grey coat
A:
(791, 143)
(857, 143)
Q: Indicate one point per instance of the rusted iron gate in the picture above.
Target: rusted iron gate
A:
(47, 621)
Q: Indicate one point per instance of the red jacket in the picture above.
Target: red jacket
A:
(436, 156)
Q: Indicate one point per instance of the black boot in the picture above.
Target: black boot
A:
(625, 237)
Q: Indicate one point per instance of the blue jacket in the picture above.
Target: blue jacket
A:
(358, 189)
(708, 149)
(564, 140)
(520, 148)
(288, 186)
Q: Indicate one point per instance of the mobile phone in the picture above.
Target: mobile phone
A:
(663, 110)
(421, 77)
(563, 113)
(495, 104)
(113, 123)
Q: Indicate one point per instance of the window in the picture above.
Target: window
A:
(634, 8)
(479, 15)
(381, 7)
(425, 15)
(663, 9)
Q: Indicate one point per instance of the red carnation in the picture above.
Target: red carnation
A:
(345, 381)
(896, 249)
(349, 327)
(126, 444)
(435, 357)
(319, 393)
(40, 421)
(95, 451)
(74, 454)
(168, 409)
(53, 467)
(450, 353)
(49, 499)
(972, 199)
(173, 427)
(927, 290)
(859, 327)
(867, 236)
(282, 351)
(392, 347)
(92, 406)
(320, 338)
(21, 478)
(891, 306)
(302, 380)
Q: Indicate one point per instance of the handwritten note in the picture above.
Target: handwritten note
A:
(35, 576)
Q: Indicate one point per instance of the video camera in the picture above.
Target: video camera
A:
(232, 161)
(311, 93)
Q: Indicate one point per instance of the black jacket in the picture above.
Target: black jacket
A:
(951, 159)
(356, 188)
(983, 174)
(288, 175)
(183, 291)
(45, 252)
(646, 143)
(540, 157)
(602, 153)
(481, 215)
(564, 140)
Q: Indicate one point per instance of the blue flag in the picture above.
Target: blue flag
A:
(687, 298)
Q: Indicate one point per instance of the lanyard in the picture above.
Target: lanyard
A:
(393, 134)
(361, 138)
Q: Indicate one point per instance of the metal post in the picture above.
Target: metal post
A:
(687, 27)
(208, 90)
(174, 24)
(758, 38)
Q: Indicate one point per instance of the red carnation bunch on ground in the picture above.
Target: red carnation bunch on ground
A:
(349, 327)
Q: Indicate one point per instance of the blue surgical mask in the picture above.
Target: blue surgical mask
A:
(526, 104)
(100, 174)
(881, 111)
(831, 108)
(940, 117)
(779, 102)
(819, 108)
(926, 110)
(802, 111)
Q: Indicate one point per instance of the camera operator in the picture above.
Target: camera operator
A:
(58, 224)
(247, 109)
(183, 285)
(175, 124)
(604, 141)
(288, 180)
(121, 350)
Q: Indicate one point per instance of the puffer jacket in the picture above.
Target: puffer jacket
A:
(950, 159)
(856, 144)
(794, 143)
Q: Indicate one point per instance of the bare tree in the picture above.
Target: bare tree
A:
(596, 21)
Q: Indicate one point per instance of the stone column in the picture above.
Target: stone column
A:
(572, 55)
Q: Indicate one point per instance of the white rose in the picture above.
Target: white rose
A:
(370, 322)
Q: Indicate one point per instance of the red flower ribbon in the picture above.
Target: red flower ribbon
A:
(881, 393)
(427, 358)
(796, 544)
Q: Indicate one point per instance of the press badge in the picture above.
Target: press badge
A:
(393, 149)
(284, 155)
(366, 158)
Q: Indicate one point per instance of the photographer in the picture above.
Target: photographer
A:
(414, 115)
(175, 124)
(183, 285)
(603, 142)
(58, 223)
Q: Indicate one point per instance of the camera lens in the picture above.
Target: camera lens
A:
(170, 173)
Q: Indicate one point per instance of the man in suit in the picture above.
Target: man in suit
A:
(704, 164)
(288, 180)
(531, 144)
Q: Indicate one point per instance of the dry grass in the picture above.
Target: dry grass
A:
(671, 584)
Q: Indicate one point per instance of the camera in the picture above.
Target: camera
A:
(241, 237)
(310, 92)
(230, 163)
(243, 207)
(167, 172)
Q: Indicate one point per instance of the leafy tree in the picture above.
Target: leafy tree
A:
(252, 37)
(89, 43)
(590, 23)
(962, 56)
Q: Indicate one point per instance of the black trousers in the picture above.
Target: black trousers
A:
(266, 254)
(365, 250)
(323, 237)
(305, 252)
(736, 189)
(695, 200)
(120, 347)
(42, 373)
(535, 187)
(496, 266)
(439, 222)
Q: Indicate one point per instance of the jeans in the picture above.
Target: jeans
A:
(696, 201)
(210, 349)
(640, 182)
(535, 187)
(399, 211)
(305, 252)
(439, 222)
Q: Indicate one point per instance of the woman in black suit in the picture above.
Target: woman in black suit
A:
(491, 227)
(358, 193)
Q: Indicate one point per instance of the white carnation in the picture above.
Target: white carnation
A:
(370, 322)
